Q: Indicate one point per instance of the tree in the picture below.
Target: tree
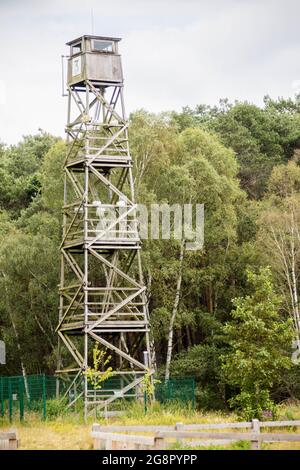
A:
(280, 238)
(201, 155)
(152, 143)
(279, 235)
(19, 171)
(29, 278)
(261, 138)
(202, 361)
(259, 341)
(201, 170)
(51, 177)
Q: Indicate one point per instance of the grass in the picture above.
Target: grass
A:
(68, 431)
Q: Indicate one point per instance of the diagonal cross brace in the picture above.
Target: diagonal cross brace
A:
(119, 351)
(111, 226)
(109, 185)
(109, 142)
(115, 309)
(105, 103)
(126, 389)
(68, 308)
(115, 268)
(70, 346)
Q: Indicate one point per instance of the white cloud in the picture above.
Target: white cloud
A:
(175, 52)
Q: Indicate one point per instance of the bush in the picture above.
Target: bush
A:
(259, 339)
(56, 407)
(208, 398)
(249, 406)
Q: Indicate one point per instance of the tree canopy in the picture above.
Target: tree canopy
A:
(242, 162)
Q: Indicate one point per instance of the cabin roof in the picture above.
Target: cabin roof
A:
(87, 36)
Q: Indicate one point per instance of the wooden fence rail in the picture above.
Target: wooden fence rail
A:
(105, 437)
(109, 441)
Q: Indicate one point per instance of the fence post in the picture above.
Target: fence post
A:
(194, 395)
(57, 388)
(2, 395)
(159, 443)
(178, 427)
(108, 444)
(13, 443)
(168, 390)
(44, 396)
(21, 398)
(255, 444)
(29, 391)
(10, 403)
(145, 402)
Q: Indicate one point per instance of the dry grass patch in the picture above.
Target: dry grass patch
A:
(68, 432)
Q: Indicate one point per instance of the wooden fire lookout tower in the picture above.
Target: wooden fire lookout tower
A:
(102, 295)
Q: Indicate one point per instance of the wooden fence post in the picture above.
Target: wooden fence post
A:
(179, 427)
(255, 443)
(159, 443)
(13, 443)
(9, 440)
(108, 444)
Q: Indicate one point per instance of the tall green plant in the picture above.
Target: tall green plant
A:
(97, 374)
(259, 340)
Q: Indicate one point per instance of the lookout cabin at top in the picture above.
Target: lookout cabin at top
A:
(94, 58)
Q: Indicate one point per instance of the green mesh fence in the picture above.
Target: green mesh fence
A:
(113, 385)
(180, 389)
(18, 395)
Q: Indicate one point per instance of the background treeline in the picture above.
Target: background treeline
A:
(241, 161)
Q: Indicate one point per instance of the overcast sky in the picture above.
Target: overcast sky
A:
(175, 53)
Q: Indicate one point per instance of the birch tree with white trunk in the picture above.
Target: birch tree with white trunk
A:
(279, 235)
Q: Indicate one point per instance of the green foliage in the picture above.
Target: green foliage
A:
(168, 412)
(202, 361)
(97, 374)
(242, 162)
(19, 171)
(284, 180)
(148, 385)
(56, 407)
(28, 279)
(51, 176)
(259, 341)
(257, 405)
(260, 137)
(197, 169)
(238, 445)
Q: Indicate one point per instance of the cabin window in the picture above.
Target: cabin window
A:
(102, 46)
(76, 48)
